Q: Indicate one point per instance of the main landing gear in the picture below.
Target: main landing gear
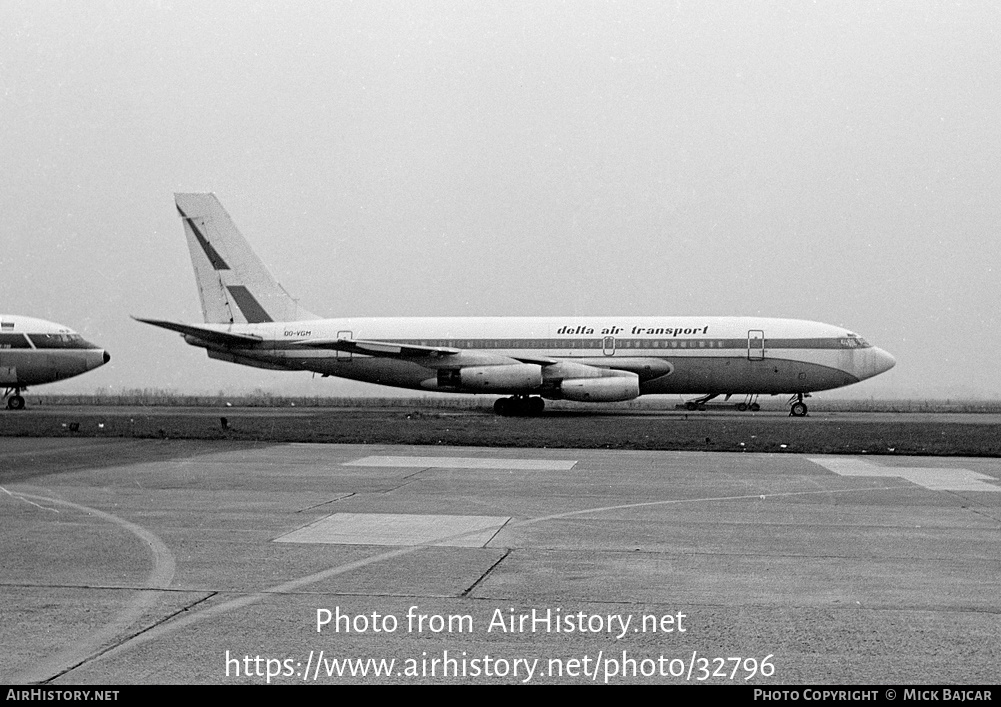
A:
(519, 406)
(750, 402)
(798, 408)
(15, 401)
(700, 403)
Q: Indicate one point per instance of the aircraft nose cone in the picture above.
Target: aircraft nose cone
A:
(884, 361)
(97, 358)
(877, 361)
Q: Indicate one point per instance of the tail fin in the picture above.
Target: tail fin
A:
(233, 283)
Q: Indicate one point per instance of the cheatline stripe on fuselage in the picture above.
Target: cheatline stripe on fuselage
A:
(598, 344)
(43, 342)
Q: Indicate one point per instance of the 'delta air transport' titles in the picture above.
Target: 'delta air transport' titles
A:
(34, 351)
(250, 319)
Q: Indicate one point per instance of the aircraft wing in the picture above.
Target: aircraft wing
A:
(383, 349)
(537, 360)
(210, 335)
(392, 349)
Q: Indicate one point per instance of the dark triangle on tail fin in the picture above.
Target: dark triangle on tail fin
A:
(233, 283)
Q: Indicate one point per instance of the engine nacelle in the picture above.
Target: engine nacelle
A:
(601, 390)
(247, 361)
(508, 378)
(569, 369)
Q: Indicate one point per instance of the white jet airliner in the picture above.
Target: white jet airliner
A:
(34, 351)
(250, 319)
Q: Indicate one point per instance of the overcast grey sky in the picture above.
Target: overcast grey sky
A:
(833, 161)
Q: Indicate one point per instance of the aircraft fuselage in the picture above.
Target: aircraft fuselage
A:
(683, 355)
(252, 320)
(34, 351)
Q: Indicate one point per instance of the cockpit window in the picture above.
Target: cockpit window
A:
(854, 342)
(60, 341)
(13, 341)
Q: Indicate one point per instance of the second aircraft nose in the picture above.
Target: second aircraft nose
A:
(97, 358)
(882, 361)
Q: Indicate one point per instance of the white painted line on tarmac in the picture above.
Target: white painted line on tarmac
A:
(467, 463)
(399, 529)
(89, 646)
(934, 479)
(210, 611)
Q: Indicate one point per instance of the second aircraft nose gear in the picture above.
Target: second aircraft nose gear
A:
(798, 408)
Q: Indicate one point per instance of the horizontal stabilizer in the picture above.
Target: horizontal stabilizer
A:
(209, 335)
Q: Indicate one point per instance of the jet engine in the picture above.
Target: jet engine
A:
(510, 377)
(246, 360)
(601, 390)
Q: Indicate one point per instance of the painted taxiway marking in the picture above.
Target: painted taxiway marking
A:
(935, 479)
(208, 612)
(467, 463)
(399, 529)
(159, 578)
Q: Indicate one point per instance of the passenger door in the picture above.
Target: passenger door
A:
(755, 345)
(344, 355)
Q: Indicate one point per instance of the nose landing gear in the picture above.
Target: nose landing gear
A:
(15, 401)
(798, 408)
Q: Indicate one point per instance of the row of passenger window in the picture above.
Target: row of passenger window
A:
(564, 344)
(608, 343)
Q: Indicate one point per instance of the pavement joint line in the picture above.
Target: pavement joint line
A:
(160, 577)
(291, 585)
(415, 473)
(156, 623)
(326, 503)
(486, 573)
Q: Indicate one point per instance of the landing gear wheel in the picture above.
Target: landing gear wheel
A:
(798, 409)
(755, 407)
(519, 406)
(700, 403)
(742, 407)
(15, 402)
